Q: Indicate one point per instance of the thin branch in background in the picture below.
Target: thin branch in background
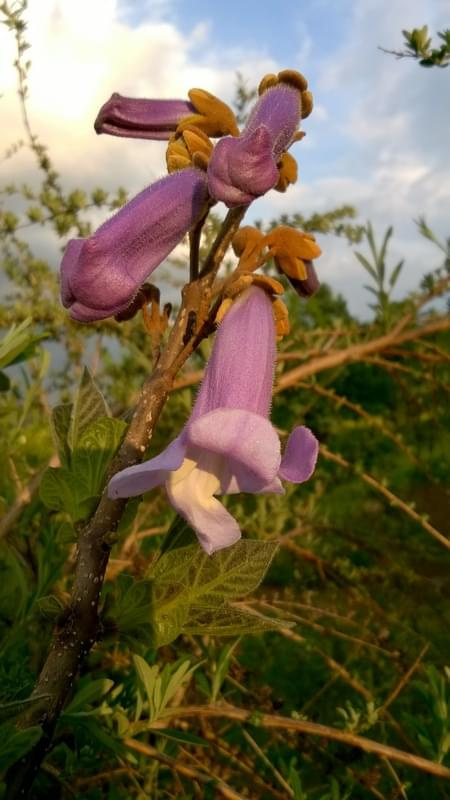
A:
(374, 422)
(206, 779)
(239, 761)
(333, 665)
(404, 680)
(344, 674)
(274, 721)
(358, 352)
(397, 780)
(393, 499)
(223, 240)
(268, 763)
(326, 630)
(418, 46)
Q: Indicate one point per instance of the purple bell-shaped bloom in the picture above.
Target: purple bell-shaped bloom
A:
(228, 444)
(245, 167)
(139, 118)
(101, 275)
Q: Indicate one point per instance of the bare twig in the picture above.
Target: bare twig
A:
(223, 240)
(254, 745)
(358, 352)
(390, 496)
(403, 681)
(184, 769)
(341, 400)
(273, 721)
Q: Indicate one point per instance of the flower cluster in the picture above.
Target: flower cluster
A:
(228, 444)
(101, 275)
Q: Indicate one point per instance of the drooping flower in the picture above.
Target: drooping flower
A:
(228, 444)
(101, 275)
(245, 167)
(139, 118)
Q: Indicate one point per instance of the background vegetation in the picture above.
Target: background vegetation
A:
(355, 601)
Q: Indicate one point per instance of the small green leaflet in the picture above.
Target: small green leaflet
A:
(19, 343)
(89, 405)
(75, 489)
(160, 687)
(60, 424)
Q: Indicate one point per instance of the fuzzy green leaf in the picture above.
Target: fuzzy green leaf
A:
(227, 620)
(208, 580)
(133, 613)
(60, 424)
(169, 623)
(89, 405)
(57, 490)
(192, 589)
(95, 448)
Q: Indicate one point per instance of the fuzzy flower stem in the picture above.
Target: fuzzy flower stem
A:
(223, 240)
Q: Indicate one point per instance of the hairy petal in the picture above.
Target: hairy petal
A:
(279, 110)
(193, 498)
(248, 443)
(241, 169)
(245, 167)
(141, 478)
(104, 272)
(300, 456)
(241, 367)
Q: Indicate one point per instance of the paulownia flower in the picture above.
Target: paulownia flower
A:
(101, 275)
(245, 167)
(228, 444)
(139, 118)
(157, 119)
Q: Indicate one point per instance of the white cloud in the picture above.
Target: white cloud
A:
(380, 126)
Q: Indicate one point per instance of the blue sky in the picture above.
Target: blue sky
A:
(271, 27)
(377, 139)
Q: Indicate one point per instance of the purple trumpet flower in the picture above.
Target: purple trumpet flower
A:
(228, 444)
(139, 118)
(101, 275)
(245, 167)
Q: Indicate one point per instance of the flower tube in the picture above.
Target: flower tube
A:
(140, 118)
(245, 167)
(228, 444)
(101, 275)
